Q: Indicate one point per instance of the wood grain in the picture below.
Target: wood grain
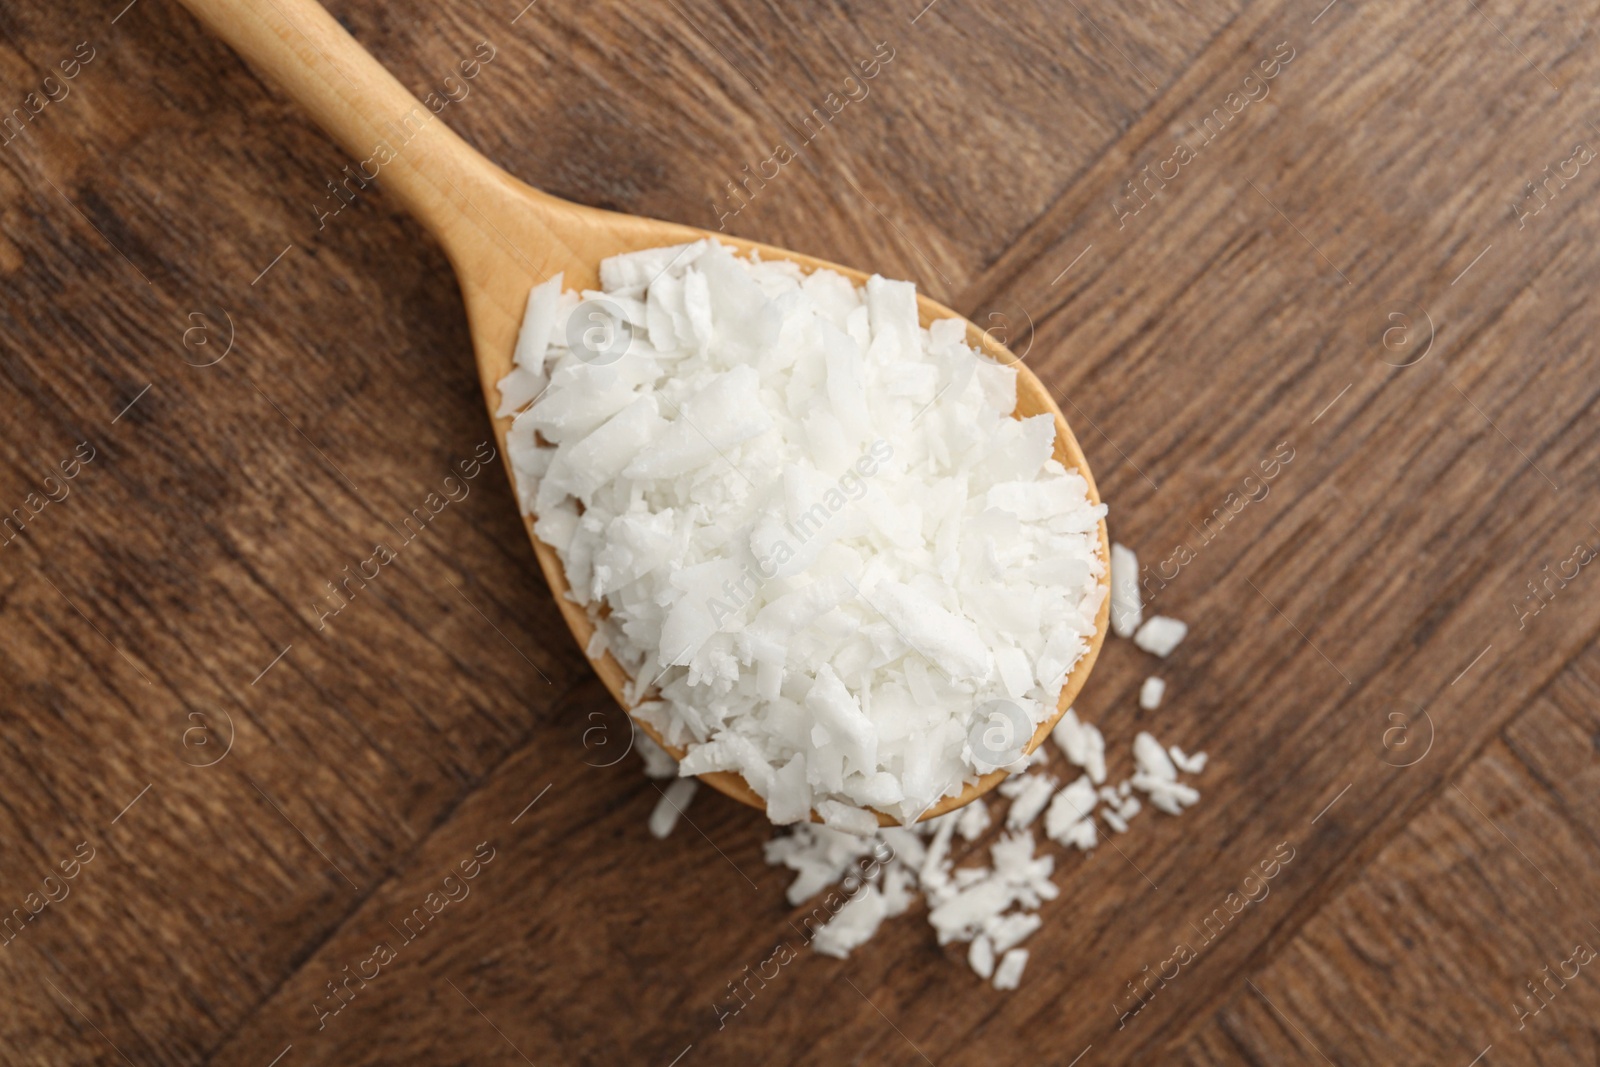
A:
(1241, 308)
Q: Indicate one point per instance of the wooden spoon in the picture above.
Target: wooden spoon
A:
(503, 237)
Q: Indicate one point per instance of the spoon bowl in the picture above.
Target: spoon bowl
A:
(503, 237)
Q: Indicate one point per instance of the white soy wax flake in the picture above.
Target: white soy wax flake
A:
(1187, 764)
(974, 820)
(845, 819)
(674, 798)
(1029, 802)
(1008, 975)
(538, 326)
(1082, 744)
(1069, 821)
(1151, 692)
(1126, 610)
(658, 762)
(1153, 760)
(1160, 635)
(980, 956)
(820, 543)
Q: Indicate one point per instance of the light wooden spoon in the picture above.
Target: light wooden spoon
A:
(503, 237)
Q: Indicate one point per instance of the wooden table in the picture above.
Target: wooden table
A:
(1344, 262)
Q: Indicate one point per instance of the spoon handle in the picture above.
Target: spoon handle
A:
(387, 131)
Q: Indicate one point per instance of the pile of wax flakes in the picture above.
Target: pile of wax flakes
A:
(993, 908)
